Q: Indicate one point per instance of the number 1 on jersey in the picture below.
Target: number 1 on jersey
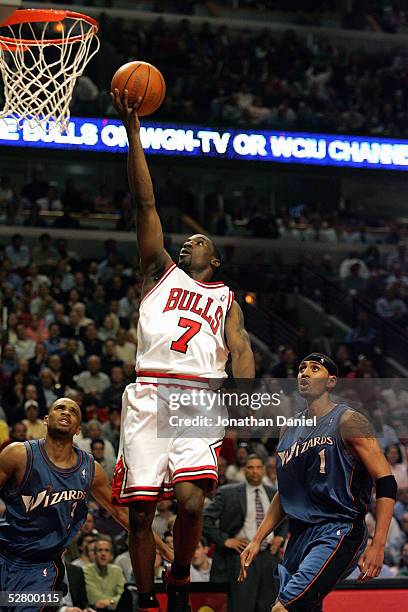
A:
(193, 327)
(322, 455)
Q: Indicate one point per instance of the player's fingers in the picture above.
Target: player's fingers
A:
(242, 575)
(125, 99)
(244, 556)
(369, 573)
(248, 560)
(137, 104)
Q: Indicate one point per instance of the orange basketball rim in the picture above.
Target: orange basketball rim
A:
(42, 54)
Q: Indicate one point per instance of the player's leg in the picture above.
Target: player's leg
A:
(139, 481)
(188, 525)
(327, 551)
(26, 580)
(193, 469)
(186, 533)
(142, 550)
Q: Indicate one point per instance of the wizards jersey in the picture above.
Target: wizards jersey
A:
(49, 507)
(181, 326)
(318, 479)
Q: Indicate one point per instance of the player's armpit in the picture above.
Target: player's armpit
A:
(101, 490)
(12, 463)
(243, 364)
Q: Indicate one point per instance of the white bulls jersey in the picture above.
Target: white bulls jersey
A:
(181, 326)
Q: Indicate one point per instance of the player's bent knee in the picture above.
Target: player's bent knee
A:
(192, 504)
(140, 519)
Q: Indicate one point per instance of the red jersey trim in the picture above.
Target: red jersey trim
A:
(119, 501)
(209, 285)
(195, 469)
(156, 375)
(204, 476)
(159, 282)
(230, 300)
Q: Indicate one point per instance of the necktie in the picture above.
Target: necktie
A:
(259, 515)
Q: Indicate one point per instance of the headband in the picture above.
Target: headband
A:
(323, 360)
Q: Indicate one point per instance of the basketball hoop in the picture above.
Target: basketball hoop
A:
(42, 53)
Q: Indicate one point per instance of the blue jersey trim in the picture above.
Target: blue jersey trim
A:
(70, 470)
(92, 466)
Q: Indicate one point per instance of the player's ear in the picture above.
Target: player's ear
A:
(332, 382)
(215, 262)
(78, 431)
(46, 420)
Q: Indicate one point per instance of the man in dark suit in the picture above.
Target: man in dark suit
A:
(230, 522)
(71, 361)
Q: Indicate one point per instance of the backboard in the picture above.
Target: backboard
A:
(7, 7)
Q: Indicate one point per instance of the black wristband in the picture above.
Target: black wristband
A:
(386, 487)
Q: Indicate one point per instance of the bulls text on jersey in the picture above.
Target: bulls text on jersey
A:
(185, 300)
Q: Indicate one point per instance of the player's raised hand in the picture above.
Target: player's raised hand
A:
(128, 114)
(246, 558)
(370, 562)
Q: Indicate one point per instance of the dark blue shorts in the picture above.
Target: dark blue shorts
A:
(316, 558)
(23, 576)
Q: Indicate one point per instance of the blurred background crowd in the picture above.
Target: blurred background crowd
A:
(71, 330)
(317, 258)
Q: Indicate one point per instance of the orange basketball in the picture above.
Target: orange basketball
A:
(140, 79)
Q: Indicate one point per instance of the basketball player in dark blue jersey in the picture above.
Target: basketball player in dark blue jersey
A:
(325, 475)
(46, 484)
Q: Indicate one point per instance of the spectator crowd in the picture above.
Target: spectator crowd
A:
(221, 209)
(255, 78)
(71, 330)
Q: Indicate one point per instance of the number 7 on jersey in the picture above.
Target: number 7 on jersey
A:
(192, 329)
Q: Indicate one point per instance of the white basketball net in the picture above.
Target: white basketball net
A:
(40, 73)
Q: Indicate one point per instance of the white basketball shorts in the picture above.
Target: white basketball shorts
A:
(149, 464)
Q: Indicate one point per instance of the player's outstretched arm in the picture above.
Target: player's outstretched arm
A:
(102, 492)
(153, 256)
(273, 518)
(358, 433)
(12, 463)
(243, 364)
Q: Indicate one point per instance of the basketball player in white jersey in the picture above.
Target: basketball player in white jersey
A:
(187, 328)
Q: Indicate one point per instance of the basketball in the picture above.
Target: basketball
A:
(141, 79)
